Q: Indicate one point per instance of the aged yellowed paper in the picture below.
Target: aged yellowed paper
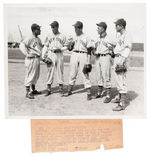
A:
(75, 134)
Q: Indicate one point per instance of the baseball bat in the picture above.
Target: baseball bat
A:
(21, 36)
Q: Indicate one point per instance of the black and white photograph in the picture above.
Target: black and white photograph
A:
(75, 60)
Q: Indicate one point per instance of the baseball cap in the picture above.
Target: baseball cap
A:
(78, 24)
(102, 24)
(35, 26)
(121, 22)
(54, 23)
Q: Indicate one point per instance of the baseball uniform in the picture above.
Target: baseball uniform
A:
(79, 59)
(122, 49)
(103, 61)
(53, 42)
(32, 64)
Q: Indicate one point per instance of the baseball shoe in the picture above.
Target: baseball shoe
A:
(48, 93)
(108, 97)
(118, 108)
(89, 97)
(99, 93)
(30, 96)
(35, 92)
(116, 99)
(69, 93)
(70, 87)
(61, 90)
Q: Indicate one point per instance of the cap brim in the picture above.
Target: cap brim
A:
(116, 22)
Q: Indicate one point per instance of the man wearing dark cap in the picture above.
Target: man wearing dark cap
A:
(31, 47)
(122, 50)
(103, 52)
(54, 46)
(81, 54)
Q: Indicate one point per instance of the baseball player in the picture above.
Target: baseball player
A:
(31, 47)
(53, 48)
(103, 55)
(122, 50)
(81, 54)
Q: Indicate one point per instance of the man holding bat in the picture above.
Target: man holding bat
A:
(31, 47)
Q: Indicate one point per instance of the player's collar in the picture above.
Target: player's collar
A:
(56, 34)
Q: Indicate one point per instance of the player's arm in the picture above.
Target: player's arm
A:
(24, 49)
(65, 43)
(70, 43)
(45, 48)
(127, 46)
(90, 49)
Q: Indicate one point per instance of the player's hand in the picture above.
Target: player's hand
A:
(30, 55)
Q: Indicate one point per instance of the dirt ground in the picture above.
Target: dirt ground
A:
(74, 105)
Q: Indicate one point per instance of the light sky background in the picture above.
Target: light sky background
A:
(68, 14)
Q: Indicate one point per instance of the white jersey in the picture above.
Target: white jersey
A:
(57, 41)
(102, 44)
(123, 41)
(82, 42)
(32, 43)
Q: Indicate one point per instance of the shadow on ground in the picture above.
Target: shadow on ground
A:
(78, 89)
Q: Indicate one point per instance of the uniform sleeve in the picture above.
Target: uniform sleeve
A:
(23, 48)
(127, 46)
(128, 41)
(40, 43)
(46, 43)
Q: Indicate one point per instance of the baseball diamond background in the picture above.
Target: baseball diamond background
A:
(76, 104)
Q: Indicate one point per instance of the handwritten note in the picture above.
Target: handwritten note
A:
(75, 134)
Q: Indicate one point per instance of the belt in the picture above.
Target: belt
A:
(56, 51)
(103, 54)
(79, 51)
(117, 55)
(32, 57)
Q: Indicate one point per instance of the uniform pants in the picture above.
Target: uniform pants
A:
(103, 71)
(32, 66)
(77, 61)
(58, 65)
(120, 78)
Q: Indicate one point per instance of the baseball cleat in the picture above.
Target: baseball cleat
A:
(89, 97)
(69, 93)
(118, 108)
(48, 93)
(107, 99)
(30, 96)
(36, 92)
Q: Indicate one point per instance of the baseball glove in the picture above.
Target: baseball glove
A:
(47, 61)
(87, 68)
(120, 69)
